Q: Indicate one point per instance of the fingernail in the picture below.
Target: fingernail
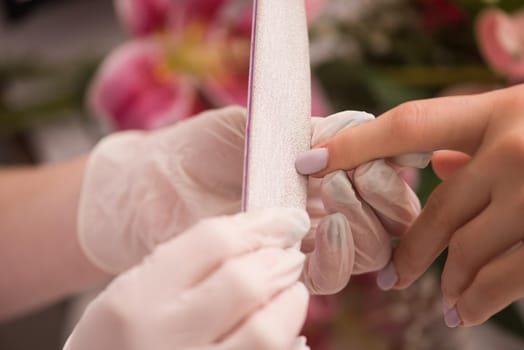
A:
(337, 225)
(312, 162)
(452, 318)
(445, 306)
(388, 277)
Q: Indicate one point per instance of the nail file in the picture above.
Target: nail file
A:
(279, 107)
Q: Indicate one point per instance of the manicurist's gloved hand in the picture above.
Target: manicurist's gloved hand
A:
(227, 283)
(143, 188)
(354, 213)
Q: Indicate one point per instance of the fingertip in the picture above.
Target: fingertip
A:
(388, 277)
(452, 318)
(312, 161)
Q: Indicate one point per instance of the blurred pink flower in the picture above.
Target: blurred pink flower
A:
(132, 91)
(143, 16)
(441, 13)
(190, 55)
(501, 40)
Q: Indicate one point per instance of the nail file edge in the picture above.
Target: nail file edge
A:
(279, 107)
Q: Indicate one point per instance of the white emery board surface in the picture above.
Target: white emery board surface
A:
(279, 108)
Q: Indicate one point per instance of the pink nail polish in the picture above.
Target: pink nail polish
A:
(446, 306)
(452, 318)
(312, 162)
(388, 277)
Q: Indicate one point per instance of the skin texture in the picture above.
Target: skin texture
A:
(43, 262)
(476, 212)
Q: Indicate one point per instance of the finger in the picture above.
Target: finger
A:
(421, 126)
(445, 163)
(275, 326)
(485, 237)
(385, 191)
(214, 241)
(371, 241)
(496, 286)
(328, 268)
(452, 204)
(236, 289)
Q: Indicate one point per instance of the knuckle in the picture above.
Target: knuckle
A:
(239, 277)
(216, 237)
(510, 147)
(407, 121)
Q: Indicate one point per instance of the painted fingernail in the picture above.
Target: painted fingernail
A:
(312, 162)
(452, 318)
(445, 306)
(388, 277)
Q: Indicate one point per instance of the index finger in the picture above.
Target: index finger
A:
(455, 123)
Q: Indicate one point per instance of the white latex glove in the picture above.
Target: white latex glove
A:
(354, 214)
(140, 189)
(228, 283)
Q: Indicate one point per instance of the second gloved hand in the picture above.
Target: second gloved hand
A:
(228, 283)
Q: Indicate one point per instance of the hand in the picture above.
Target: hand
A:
(354, 213)
(141, 189)
(227, 283)
(476, 211)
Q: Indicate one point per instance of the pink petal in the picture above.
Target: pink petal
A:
(314, 8)
(183, 12)
(501, 39)
(227, 90)
(129, 92)
(143, 17)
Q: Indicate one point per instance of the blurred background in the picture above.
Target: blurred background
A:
(72, 71)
